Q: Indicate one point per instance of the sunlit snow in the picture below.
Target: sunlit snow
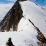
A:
(26, 34)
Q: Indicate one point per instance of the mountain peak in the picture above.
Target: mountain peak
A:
(12, 18)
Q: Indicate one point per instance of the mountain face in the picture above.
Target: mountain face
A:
(28, 20)
(12, 18)
(36, 16)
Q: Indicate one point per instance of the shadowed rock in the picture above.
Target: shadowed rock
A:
(12, 18)
(40, 36)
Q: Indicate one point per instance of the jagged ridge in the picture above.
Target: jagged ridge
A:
(40, 36)
(12, 18)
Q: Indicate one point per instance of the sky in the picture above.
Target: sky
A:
(5, 5)
(40, 2)
(7, 1)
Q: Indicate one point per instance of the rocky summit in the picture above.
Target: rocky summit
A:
(12, 18)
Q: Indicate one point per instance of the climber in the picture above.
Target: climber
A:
(9, 42)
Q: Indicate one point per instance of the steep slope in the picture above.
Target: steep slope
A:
(25, 37)
(31, 28)
(12, 18)
(35, 14)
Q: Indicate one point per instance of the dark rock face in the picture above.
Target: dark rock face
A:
(40, 36)
(40, 44)
(12, 18)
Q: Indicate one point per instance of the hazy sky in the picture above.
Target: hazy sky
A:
(40, 2)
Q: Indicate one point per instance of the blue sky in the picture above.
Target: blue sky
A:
(40, 2)
(6, 1)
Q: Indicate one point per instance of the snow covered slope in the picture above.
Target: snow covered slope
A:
(26, 34)
(35, 14)
(24, 37)
(44, 8)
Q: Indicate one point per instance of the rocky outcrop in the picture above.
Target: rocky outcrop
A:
(40, 36)
(12, 18)
(40, 44)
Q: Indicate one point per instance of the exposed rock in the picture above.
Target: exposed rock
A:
(40, 36)
(12, 18)
(40, 44)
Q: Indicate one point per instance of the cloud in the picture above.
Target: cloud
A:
(12, 0)
(4, 8)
